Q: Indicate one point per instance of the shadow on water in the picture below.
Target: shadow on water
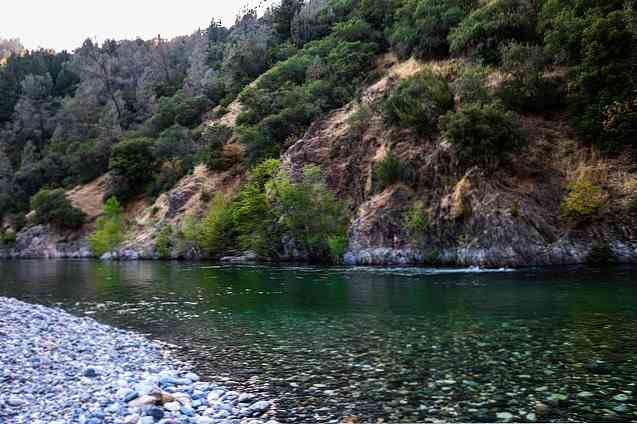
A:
(401, 344)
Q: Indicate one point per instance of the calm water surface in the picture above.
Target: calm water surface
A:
(379, 344)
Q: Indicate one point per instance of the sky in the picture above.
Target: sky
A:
(65, 24)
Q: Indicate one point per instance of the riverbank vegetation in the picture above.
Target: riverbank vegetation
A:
(140, 110)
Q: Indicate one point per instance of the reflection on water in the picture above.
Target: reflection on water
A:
(394, 344)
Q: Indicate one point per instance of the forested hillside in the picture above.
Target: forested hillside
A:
(329, 127)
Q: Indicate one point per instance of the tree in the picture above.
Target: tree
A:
(283, 14)
(130, 164)
(52, 207)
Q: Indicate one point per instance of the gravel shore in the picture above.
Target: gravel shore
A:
(59, 368)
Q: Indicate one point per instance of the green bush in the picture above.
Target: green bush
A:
(484, 135)
(417, 102)
(163, 241)
(526, 89)
(583, 199)
(211, 143)
(388, 170)
(284, 101)
(252, 216)
(337, 246)
(496, 22)
(417, 220)
(8, 237)
(131, 164)
(109, 229)
(421, 27)
(212, 233)
(359, 120)
(308, 212)
(471, 85)
(52, 207)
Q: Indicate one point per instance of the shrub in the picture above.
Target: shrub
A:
(483, 134)
(583, 199)
(173, 143)
(359, 120)
(252, 216)
(388, 170)
(168, 176)
(471, 87)
(52, 207)
(109, 229)
(8, 237)
(417, 102)
(337, 246)
(422, 27)
(527, 89)
(598, 39)
(308, 212)
(163, 242)
(482, 32)
(212, 142)
(131, 162)
(213, 229)
(417, 220)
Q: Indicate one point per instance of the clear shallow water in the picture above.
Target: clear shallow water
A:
(393, 344)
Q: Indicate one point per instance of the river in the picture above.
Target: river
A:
(409, 344)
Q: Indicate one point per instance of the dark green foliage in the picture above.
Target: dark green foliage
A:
(484, 135)
(322, 76)
(388, 171)
(211, 143)
(422, 26)
(190, 110)
(283, 14)
(174, 143)
(605, 76)
(527, 89)
(379, 13)
(129, 164)
(496, 22)
(599, 40)
(471, 86)
(8, 238)
(52, 207)
(417, 102)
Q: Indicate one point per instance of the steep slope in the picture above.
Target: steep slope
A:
(510, 217)
(507, 218)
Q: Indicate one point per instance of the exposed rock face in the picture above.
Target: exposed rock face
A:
(506, 218)
(42, 242)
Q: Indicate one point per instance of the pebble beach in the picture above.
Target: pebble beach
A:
(59, 368)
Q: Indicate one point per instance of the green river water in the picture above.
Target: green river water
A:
(392, 345)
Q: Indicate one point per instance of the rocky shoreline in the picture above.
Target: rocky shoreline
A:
(39, 242)
(58, 368)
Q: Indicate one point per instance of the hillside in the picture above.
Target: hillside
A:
(371, 140)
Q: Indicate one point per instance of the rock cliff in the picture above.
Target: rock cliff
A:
(507, 218)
